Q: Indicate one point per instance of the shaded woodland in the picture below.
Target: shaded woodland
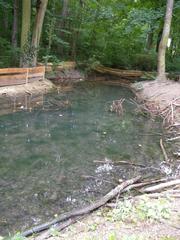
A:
(122, 34)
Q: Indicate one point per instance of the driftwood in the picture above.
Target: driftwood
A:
(161, 186)
(113, 193)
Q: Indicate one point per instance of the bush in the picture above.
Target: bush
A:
(145, 62)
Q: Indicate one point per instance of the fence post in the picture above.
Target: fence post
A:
(27, 75)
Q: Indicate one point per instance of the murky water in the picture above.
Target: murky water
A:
(65, 153)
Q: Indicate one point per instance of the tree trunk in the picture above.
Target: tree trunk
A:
(149, 43)
(25, 30)
(41, 9)
(164, 40)
(64, 15)
(15, 24)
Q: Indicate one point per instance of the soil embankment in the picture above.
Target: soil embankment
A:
(42, 86)
(163, 99)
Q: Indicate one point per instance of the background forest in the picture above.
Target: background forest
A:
(123, 34)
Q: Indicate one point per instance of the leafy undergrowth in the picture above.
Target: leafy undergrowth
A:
(140, 210)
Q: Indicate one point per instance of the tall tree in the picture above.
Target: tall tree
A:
(25, 30)
(15, 24)
(164, 40)
(41, 9)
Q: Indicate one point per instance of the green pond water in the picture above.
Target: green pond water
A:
(57, 158)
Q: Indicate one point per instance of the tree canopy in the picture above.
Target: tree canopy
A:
(123, 34)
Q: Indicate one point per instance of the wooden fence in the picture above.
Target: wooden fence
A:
(18, 76)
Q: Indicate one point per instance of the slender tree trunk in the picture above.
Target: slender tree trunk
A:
(25, 30)
(41, 9)
(64, 15)
(149, 43)
(161, 69)
(15, 24)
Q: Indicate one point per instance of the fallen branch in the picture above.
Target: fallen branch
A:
(173, 139)
(120, 162)
(60, 227)
(164, 151)
(161, 186)
(113, 193)
(145, 183)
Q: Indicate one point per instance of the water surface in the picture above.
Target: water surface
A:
(64, 154)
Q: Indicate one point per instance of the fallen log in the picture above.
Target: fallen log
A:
(126, 74)
(113, 193)
(119, 72)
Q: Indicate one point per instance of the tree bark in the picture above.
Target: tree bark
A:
(149, 43)
(25, 30)
(41, 9)
(15, 24)
(64, 15)
(161, 68)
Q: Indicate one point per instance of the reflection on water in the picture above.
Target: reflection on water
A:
(20, 103)
(65, 154)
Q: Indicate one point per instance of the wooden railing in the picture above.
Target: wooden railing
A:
(18, 76)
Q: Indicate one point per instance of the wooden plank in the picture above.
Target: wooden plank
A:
(40, 69)
(6, 82)
(12, 77)
(22, 70)
(17, 76)
(12, 70)
(35, 75)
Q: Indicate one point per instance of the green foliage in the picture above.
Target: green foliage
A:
(15, 237)
(143, 209)
(114, 33)
(146, 62)
(173, 64)
(112, 236)
(92, 227)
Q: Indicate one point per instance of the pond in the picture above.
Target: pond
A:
(66, 152)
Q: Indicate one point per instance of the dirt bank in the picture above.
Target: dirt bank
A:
(42, 86)
(163, 99)
(159, 97)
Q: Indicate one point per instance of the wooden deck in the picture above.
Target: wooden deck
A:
(19, 76)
